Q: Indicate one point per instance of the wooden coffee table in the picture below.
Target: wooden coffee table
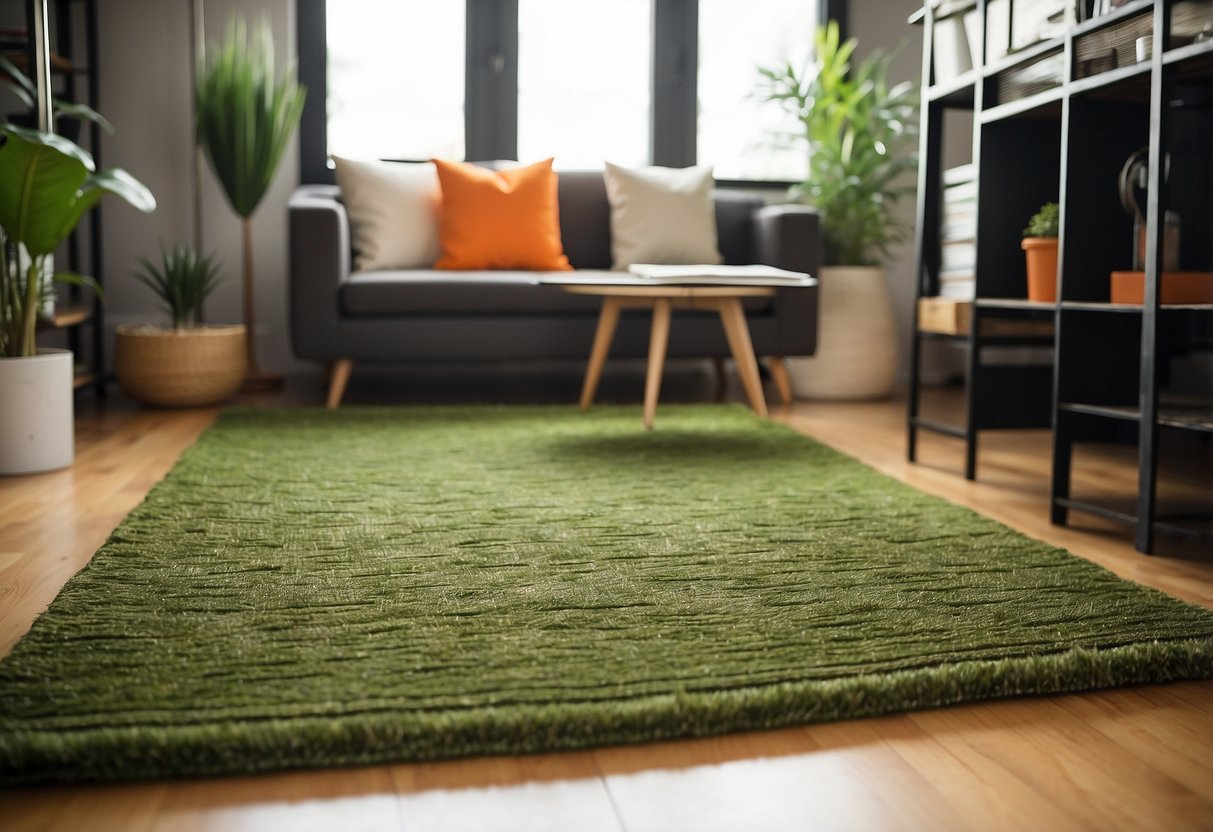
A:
(626, 292)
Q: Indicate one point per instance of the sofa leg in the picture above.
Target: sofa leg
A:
(722, 380)
(779, 373)
(339, 376)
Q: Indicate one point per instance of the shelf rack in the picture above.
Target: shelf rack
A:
(1063, 135)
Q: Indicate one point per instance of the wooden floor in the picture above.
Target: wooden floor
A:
(1136, 758)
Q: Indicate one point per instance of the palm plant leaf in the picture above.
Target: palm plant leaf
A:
(860, 134)
(245, 114)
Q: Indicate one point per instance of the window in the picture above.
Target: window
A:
(634, 81)
(395, 78)
(583, 81)
(735, 128)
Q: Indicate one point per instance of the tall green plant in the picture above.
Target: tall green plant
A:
(860, 133)
(47, 183)
(246, 115)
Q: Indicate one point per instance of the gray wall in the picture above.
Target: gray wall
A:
(145, 92)
(882, 24)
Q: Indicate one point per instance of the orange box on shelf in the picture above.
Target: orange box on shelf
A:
(1177, 287)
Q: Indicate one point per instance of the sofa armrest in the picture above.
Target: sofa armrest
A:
(319, 231)
(789, 237)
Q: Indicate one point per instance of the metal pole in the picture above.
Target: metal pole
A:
(40, 62)
(197, 53)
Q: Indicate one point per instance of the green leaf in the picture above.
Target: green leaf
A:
(861, 135)
(39, 178)
(245, 114)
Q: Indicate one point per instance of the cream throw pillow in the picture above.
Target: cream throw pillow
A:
(393, 208)
(661, 215)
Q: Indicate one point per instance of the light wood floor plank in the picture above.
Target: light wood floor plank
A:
(1134, 758)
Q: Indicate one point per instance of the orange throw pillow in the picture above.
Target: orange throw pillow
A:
(504, 219)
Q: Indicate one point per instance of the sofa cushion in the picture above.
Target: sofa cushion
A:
(504, 219)
(432, 292)
(661, 215)
(393, 209)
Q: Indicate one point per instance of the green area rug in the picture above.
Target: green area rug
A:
(309, 588)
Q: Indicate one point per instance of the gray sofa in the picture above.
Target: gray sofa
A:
(343, 317)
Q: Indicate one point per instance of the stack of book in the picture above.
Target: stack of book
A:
(958, 249)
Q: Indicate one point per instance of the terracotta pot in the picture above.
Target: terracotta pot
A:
(180, 368)
(856, 354)
(1041, 254)
(37, 430)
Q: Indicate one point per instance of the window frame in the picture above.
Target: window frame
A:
(490, 121)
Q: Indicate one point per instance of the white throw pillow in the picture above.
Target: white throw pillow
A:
(393, 208)
(661, 215)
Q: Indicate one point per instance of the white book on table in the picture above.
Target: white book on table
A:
(719, 274)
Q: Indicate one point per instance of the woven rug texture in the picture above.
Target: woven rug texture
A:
(312, 589)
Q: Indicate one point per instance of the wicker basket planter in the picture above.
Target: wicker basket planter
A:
(180, 368)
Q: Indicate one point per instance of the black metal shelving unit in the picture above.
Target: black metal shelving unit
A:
(1023, 143)
(1067, 138)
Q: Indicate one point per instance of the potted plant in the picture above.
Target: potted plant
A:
(860, 134)
(185, 364)
(246, 115)
(47, 183)
(1040, 248)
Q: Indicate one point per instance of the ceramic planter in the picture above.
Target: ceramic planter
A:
(1041, 253)
(180, 368)
(36, 417)
(856, 354)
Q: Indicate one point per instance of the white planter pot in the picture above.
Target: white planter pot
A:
(856, 354)
(36, 418)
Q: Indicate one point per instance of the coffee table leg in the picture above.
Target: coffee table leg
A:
(779, 372)
(658, 341)
(607, 319)
(738, 334)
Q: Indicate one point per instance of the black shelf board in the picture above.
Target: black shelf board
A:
(1197, 418)
(1123, 517)
(1016, 340)
(955, 431)
(1131, 308)
(1041, 101)
(1097, 510)
(1113, 78)
(1125, 414)
(966, 339)
(957, 92)
(1023, 56)
(1201, 50)
(1021, 304)
(943, 336)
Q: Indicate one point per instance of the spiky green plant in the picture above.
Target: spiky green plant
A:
(860, 134)
(182, 280)
(47, 183)
(246, 115)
